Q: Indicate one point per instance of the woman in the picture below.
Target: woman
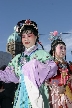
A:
(60, 84)
(30, 69)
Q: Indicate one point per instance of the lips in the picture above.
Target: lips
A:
(27, 42)
(62, 54)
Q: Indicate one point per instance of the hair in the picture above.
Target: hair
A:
(53, 46)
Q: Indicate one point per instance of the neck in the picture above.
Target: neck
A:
(59, 59)
(28, 49)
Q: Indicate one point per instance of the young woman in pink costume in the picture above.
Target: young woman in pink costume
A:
(61, 83)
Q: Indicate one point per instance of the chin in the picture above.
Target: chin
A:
(62, 57)
(27, 46)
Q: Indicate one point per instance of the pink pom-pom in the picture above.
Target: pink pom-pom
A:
(55, 33)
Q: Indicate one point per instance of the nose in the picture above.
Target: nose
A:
(63, 50)
(26, 38)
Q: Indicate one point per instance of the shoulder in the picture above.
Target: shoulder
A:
(42, 54)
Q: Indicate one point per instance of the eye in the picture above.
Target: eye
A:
(29, 35)
(23, 36)
(64, 48)
(61, 47)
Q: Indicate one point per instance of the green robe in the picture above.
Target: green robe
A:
(40, 55)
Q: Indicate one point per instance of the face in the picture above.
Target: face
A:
(28, 39)
(60, 51)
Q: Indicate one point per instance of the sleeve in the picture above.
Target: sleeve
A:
(37, 71)
(8, 75)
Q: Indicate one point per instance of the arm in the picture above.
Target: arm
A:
(8, 75)
(37, 72)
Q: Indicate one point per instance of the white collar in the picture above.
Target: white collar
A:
(28, 49)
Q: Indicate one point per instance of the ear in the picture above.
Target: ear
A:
(53, 53)
(35, 38)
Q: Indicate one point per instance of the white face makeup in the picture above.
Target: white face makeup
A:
(60, 51)
(28, 39)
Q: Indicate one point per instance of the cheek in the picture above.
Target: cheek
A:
(23, 40)
(33, 39)
(65, 52)
(58, 51)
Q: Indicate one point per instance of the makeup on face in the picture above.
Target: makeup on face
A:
(28, 38)
(26, 35)
(27, 32)
(60, 51)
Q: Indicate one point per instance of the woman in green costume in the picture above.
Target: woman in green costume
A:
(30, 69)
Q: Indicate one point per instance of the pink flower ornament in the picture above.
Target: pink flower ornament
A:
(55, 33)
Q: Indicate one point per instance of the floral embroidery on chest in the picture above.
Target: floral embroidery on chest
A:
(25, 57)
(23, 60)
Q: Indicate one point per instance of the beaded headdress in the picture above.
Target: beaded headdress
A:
(55, 38)
(25, 25)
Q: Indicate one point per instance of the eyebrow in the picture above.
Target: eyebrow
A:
(63, 45)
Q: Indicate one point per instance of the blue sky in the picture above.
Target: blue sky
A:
(50, 15)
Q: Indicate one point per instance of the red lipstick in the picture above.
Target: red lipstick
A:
(27, 42)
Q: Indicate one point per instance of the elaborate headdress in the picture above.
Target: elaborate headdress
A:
(56, 39)
(25, 25)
